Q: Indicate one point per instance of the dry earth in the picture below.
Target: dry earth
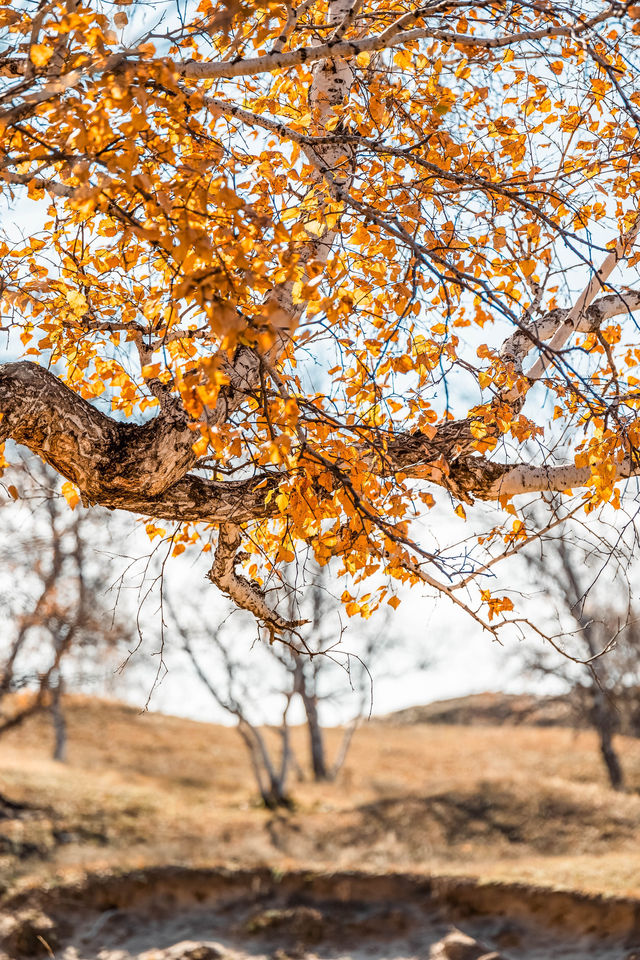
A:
(496, 709)
(181, 914)
(498, 803)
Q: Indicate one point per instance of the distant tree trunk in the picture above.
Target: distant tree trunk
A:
(316, 735)
(317, 747)
(316, 739)
(270, 783)
(605, 724)
(59, 722)
(603, 715)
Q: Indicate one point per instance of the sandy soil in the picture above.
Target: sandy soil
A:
(500, 803)
(181, 914)
(139, 792)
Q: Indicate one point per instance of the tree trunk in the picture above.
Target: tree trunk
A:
(270, 786)
(275, 797)
(59, 723)
(605, 725)
(316, 738)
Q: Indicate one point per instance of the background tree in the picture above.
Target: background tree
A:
(60, 628)
(239, 685)
(398, 200)
(325, 675)
(251, 680)
(597, 652)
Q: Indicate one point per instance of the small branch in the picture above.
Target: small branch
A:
(245, 593)
(393, 36)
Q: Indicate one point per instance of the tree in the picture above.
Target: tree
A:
(600, 643)
(326, 672)
(238, 687)
(426, 202)
(243, 677)
(58, 630)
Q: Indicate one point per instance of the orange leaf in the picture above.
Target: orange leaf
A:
(71, 495)
(40, 54)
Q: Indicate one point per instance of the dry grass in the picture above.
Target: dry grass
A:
(501, 803)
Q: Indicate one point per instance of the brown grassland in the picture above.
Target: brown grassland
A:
(499, 803)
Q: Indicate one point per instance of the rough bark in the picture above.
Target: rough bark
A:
(126, 466)
(243, 592)
(103, 457)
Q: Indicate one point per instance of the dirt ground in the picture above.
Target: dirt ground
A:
(150, 844)
(499, 803)
(182, 914)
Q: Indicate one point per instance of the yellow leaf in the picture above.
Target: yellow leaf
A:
(78, 302)
(377, 110)
(403, 59)
(478, 430)
(40, 54)
(200, 446)
(71, 495)
(460, 511)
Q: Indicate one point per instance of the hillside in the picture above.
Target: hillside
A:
(495, 709)
(511, 802)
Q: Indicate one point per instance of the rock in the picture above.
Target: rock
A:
(187, 950)
(296, 954)
(30, 933)
(302, 924)
(459, 946)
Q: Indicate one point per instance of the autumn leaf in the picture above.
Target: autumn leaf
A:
(297, 287)
(70, 493)
(40, 54)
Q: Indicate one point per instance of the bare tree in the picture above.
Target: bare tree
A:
(234, 690)
(245, 675)
(59, 629)
(597, 655)
(326, 673)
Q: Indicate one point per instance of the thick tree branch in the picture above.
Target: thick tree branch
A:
(102, 456)
(530, 335)
(490, 481)
(393, 36)
(144, 468)
(139, 468)
(574, 316)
